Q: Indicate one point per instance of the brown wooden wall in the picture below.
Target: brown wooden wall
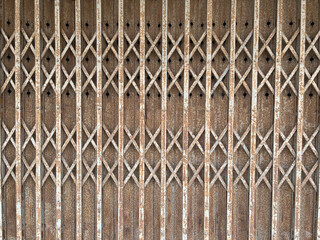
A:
(149, 119)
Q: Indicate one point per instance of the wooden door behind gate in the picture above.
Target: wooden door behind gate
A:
(146, 119)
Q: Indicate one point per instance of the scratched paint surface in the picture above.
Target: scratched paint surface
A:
(169, 119)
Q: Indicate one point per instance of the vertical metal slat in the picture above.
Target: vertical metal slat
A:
(164, 69)
(99, 119)
(253, 157)
(121, 122)
(18, 119)
(231, 120)
(207, 124)
(38, 118)
(142, 118)
(297, 212)
(276, 130)
(185, 121)
(58, 119)
(78, 121)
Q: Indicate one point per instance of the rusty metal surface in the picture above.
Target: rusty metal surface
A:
(194, 119)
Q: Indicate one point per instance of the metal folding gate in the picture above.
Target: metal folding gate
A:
(149, 119)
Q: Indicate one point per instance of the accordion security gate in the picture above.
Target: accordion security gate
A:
(160, 119)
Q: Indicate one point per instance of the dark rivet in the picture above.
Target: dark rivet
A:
(169, 95)
(245, 59)
(244, 94)
(169, 59)
(27, 24)
(8, 22)
(268, 22)
(170, 25)
(180, 59)
(118, 24)
(201, 42)
(107, 94)
(138, 24)
(148, 77)
(212, 59)
(28, 59)
(128, 59)
(246, 24)
(28, 93)
(201, 60)
(48, 59)
(9, 91)
(148, 94)
(310, 94)
(267, 59)
(212, 41)
(223, 59)
(291, 23)
(312, 23)
(180, 24)
(311, 59)
(47, 24)
(290, 59)
(180, 94)
(191, 23)
(8, 56)
(191, 59)
(190, 94)
(289, 94)
(180, 77)
(223, 94)
(67, 93)
(107, 59)
(128, 25)
(107, 24)
(67, 59)
(138, 95)
(158, 78)
(87, 24)
(159, 95)
(128, 94)
(202, 25)
(148, 24)
(87, 59)
(200, 95)
(224, 23)
(67, 24)
(212, 95)
(87, 93)
(213, 24)
(48, 93)
(159, 25)
(266, 94)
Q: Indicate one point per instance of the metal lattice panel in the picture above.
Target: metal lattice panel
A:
(195, 119)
